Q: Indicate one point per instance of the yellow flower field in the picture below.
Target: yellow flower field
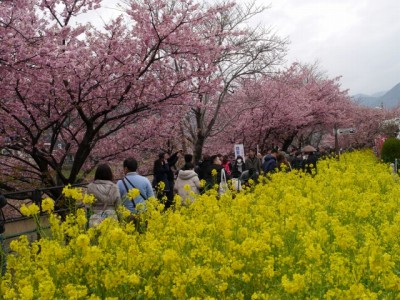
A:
(334, 236)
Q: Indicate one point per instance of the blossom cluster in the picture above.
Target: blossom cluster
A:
(331, 236)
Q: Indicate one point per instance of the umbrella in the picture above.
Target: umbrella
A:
(309, 148)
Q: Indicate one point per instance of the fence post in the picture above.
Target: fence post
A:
(3, 202)
(2, 256)
(37, 197)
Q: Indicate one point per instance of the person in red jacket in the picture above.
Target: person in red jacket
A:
(226, 164)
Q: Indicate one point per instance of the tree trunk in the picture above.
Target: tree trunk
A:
(198, 148)
(183, 139)
(288, 141)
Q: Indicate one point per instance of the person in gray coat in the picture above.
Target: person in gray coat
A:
(106, 193)
(253, 163)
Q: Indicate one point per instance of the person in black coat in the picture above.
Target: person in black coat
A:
(209, 177)
(163, 173)
(310, 159)
(238, 167)
(188, 158)
(202, 167)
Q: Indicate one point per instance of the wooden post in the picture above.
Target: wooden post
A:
(336, 139)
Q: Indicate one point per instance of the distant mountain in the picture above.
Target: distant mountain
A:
(388, 99)
(367, 100)
(392, 97)
(379, 94)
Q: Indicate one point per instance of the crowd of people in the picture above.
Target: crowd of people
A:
(177, 174)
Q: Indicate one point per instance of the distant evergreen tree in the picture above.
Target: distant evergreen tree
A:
(391, 150)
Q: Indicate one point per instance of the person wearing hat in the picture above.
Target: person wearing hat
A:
(309, 160)
(309, 149)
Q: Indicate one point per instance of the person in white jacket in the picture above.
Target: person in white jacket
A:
(187, 183)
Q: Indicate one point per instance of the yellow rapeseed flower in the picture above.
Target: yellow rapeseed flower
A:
(295, 285)
(25, 210)
(123, 211)
(75, 291)
(332, 235)
(46, 289)
(161, 186)
(83, 240)
(81, 219)
(33, 209)
(26, 292)
(187, 188)
(48, 205)
(222, 287)
(73, 193)
(133, 193)
(88, 199)
(202, 183)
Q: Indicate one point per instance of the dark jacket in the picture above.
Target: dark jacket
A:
(237, 169)
(310, 164)
(296, 162)
(172, 160)
(210, 179)
(253, 163)
(269, 164)
(202, 169)
(162, 172)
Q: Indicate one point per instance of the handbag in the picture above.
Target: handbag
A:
(236, 184)
(98, 217)
(223, 185)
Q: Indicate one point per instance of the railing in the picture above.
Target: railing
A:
(34, 195)
(13, 227)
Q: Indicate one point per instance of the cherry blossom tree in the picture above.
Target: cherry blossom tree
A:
(369, 123)
(287, 106)
(247, 53)
(73, 95)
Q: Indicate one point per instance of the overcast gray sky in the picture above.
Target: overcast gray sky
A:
(356, 39)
